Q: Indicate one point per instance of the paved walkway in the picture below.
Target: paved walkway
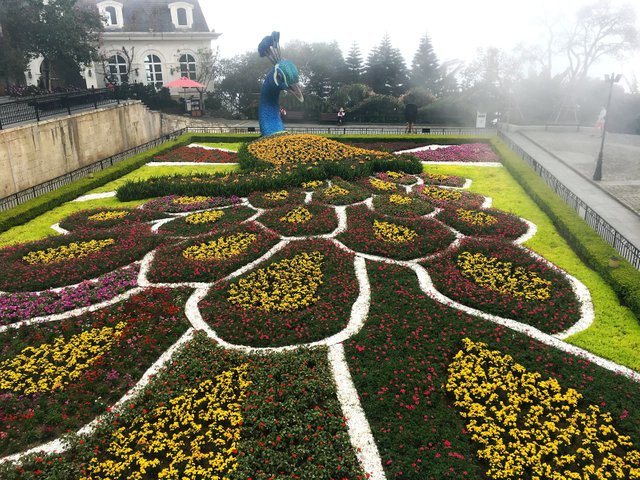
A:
(571, 157)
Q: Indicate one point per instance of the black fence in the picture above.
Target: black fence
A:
(40, 107)
(353, 130)
(624, 247)
(50, 185)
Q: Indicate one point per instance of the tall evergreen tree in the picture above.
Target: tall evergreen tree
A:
(425, 71)
(386, 72)
(354, 65)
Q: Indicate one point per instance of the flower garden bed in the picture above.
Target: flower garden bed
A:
(197, 154)
(402, 205)
(481, 223)
(301, 220)
(399, 374)
(448, 197)
(59, 376)
(505, 280)
(341, 193)
(207, 221)
(467, 152)
(397, 238)
(99, 218)
(276, 198)
(211, 257)
(69, 259)
(188, 203)
(302, 295)
(24, 305)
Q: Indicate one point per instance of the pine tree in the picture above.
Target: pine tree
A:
(354, 65)
(425, 71)
(386, 72)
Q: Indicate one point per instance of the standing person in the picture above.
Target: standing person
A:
(410, 115)
(341, 115)
(601, 118)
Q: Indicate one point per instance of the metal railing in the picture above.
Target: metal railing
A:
(619, 242)
(42, 106)
(353, 130)
(30, 193)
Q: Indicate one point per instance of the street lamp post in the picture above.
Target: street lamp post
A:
(610, 79)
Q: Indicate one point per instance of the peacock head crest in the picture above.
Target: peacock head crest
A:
(285, 72)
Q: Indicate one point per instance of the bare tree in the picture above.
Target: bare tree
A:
(600, 30)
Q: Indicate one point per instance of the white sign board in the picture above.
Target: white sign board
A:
(481, 120)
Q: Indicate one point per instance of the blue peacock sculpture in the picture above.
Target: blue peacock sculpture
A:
(283, 76)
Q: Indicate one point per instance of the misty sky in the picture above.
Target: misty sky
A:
(456, 28)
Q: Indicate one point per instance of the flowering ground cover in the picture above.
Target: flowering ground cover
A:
(398, 238)
(24, 305)
(59, 376)
(467, 152)
(206, 221)
(98, 218)
(396, 177)
(341, 192)
(301, 220)
(429, 360)
(276, 198)
(197, 154)
(505, 280)
(188, 203)
(402, 205)
(304, 294)
(400, 365)
(430, 178)
(293, 149)
(485, 222)
(69, 259)
(211, 257)
(448, 197)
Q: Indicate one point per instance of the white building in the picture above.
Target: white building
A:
(145, 41)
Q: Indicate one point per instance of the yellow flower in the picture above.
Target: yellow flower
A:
(395, 174)
(400, 199)
(441, 193)
(195, 436)
(285, 286)
(312, 185)
(52, 366)
(503, 277)
(221, 248)
(189, 200)
(204, 217)
(475, 217)
(281, 150)
(528, 427)
(297, 215)
(66, 252)
(382, 185)
(335, 191)
(110, 215)
(392, 233)
(276, 196)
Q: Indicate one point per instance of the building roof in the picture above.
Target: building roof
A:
(153, 15)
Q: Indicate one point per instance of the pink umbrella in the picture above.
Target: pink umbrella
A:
(184, 82)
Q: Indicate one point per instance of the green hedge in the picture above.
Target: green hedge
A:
(590, 247)
(241, 185)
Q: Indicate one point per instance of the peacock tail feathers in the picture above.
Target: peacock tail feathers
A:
(270, 47)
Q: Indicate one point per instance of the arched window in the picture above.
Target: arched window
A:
(153, 69)
(111, 17)
(118, 72)
(188, 66)
(182, 16)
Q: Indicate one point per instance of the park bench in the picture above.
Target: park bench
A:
(296, 116)
(329, 117)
